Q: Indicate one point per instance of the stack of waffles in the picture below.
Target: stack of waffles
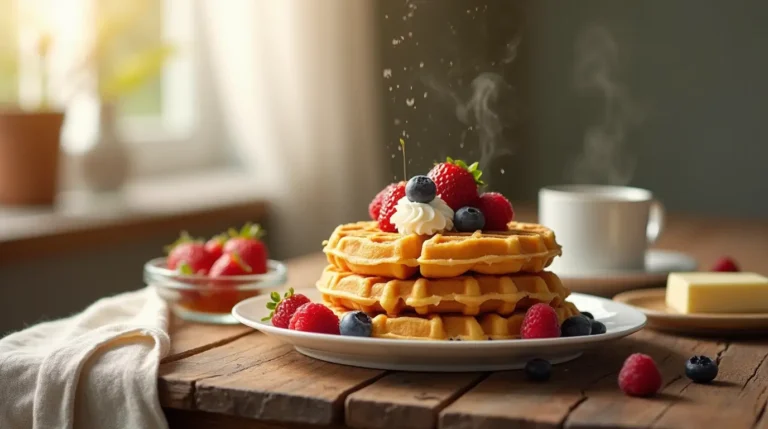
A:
(447, 286)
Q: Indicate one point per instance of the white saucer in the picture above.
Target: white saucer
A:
(446, 356)
(658, 264)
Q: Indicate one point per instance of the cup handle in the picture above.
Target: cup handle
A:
(655, 221)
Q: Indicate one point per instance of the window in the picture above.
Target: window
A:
(160, 120)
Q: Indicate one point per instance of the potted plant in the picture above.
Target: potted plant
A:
(29, 143)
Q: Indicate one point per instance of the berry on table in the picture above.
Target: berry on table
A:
(497, 210)
(314, 317)
(188, 256)
(356, 324)
(726, 264)
(456, 182)
(639, 376)
(576, 326)
(597, 328)
(538, 369)
(420, 189)
(468, 219)
(540, 321)
(374, 208)
(283, 308)
(248, 245)
(588, 315)
(701, 369)
(389, 205)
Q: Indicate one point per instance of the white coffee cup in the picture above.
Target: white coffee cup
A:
(601, 228)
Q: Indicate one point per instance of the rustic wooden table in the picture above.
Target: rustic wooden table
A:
(234, 377)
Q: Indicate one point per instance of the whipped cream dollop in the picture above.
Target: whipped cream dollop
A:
(422, 218)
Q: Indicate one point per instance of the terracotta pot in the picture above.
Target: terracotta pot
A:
(29, 157)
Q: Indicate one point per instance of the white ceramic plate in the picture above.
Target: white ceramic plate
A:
(446, 356)
(658, 265)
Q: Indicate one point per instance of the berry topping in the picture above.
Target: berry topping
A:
(375, 206)
(538, 369)
(420, 189)
(283, 309)
(726, 264)
(456, 182)
(540, 321)
(468, 219)
(597, 328)
(215, 246)
(314, 317)
(588, 315)
(188, 256)
(356, 324)
(230, 264)
(389, 205)
(701, 369)
(248, 245)
(576, 326)
(497, 210)
(639, 376)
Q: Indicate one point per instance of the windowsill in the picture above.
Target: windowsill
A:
(145, 207)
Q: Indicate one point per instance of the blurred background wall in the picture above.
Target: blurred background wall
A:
(665, 95)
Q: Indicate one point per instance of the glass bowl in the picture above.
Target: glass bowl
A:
(200, 298)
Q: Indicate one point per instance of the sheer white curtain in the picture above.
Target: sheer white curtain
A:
(296, 86)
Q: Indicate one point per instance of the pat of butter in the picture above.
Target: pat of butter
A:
(717, 292)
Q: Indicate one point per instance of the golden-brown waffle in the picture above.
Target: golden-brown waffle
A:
(489, 326)
(468, 295)
(364, 249)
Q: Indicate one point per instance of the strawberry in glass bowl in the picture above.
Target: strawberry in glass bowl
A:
(203, 279)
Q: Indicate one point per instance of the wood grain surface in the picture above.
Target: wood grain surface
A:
(227, 377)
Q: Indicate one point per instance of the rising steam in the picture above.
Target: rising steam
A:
(603, 158)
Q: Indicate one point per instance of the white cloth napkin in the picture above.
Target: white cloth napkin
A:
(96, 369)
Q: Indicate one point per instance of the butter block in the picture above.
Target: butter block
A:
(717, 292)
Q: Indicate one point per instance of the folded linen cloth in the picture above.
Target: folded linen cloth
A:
(96, 369)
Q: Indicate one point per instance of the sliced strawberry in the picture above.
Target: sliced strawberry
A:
(497, 210)
(374, 208)
(456, 182)
(190, 254)
(248, 245)
(388, 205)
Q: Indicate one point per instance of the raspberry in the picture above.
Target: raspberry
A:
(540, 321)
(726, 264)
(388, 206)
(284, 308)
(374, 208)
(639, 376)
(497, 210)
(314, 317)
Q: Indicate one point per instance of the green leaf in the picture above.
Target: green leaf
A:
(271, 305)
(232, 232)
(275, 296)
(266, 319)
(449, 160)
(185, 269)
(473, 166)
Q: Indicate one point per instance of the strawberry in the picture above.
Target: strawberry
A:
(215, 246)
(283, 309)
(456, 182)
(726, 264)
(497, 210)
(374, 208)
(314, 317)
(188, 256)
(230, 264)
(388, 205)
(249, 247)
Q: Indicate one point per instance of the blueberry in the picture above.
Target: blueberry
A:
(420, 189)
(701, 369)
(468, 219)
(576, 326)
(597, 328)
(355, 324)
(538, 370)
(588, 315)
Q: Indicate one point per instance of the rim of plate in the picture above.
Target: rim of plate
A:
(630, 295)
(268, 328)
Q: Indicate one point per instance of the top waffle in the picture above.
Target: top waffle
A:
(364, 249)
